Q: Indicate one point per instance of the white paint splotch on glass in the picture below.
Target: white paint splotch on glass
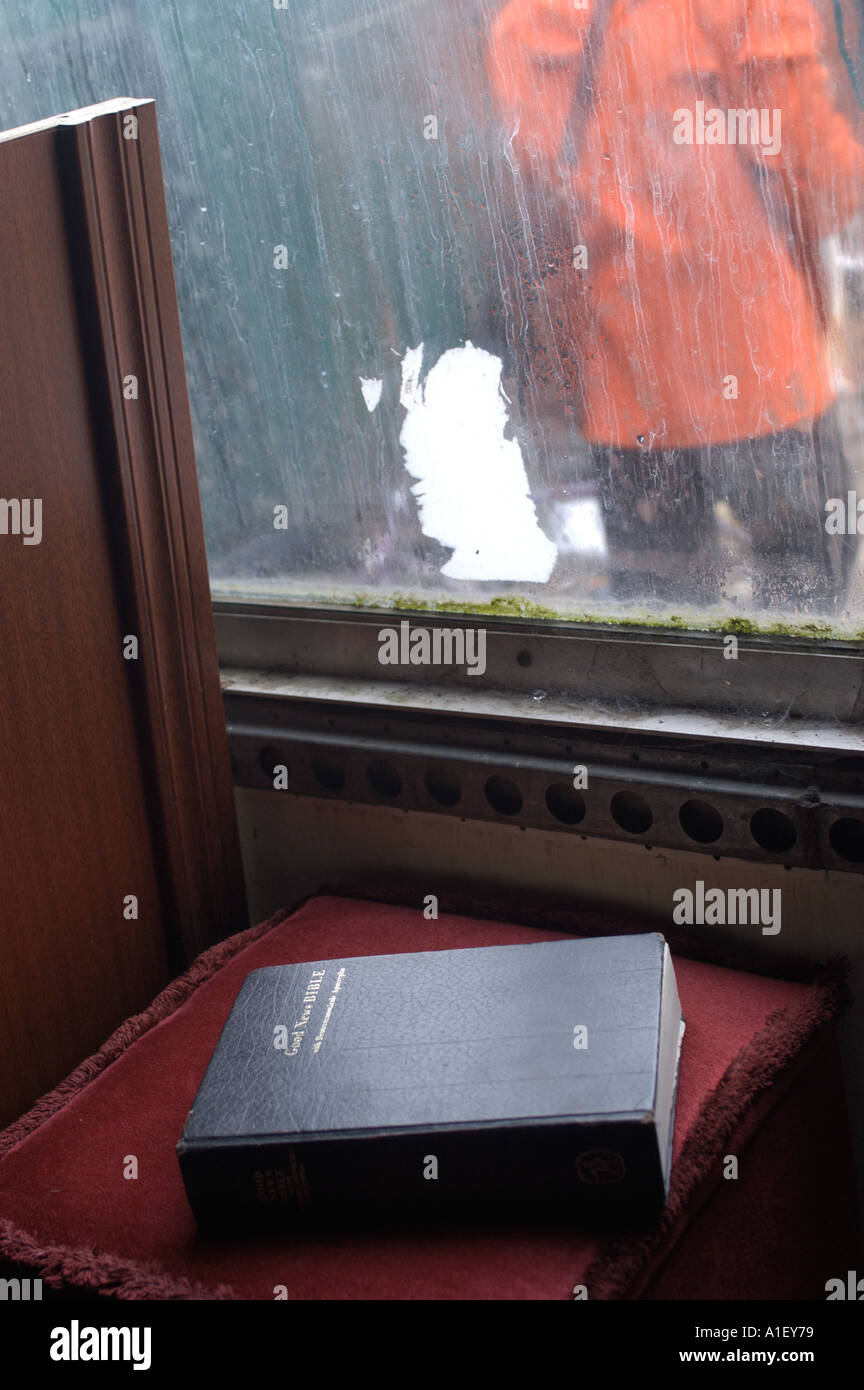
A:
(537, 299)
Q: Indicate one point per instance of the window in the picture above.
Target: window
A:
(555, 308)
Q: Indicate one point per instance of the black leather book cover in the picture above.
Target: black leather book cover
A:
(541, 1072)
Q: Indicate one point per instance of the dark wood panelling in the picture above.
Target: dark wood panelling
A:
(114, 774)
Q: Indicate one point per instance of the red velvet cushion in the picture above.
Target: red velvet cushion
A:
(69, 1213)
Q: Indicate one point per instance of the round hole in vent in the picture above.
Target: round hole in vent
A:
(442, 788)
(565, 803)
(269, 759)
(503, 796)
(773, 830)
(328, 772)
(632, 812)
(701, 822)
(383, 778)
(847, 839)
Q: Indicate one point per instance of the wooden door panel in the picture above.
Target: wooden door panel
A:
(114, 775)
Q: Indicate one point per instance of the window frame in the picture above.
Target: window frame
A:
(610, 675)
(657, 717)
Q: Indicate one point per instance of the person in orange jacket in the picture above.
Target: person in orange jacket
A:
(681, 162)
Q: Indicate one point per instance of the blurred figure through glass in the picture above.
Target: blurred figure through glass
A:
(681, 161)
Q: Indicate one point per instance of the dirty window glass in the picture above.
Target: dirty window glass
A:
(541, 300)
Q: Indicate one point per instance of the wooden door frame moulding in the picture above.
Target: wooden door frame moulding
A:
(110, 170)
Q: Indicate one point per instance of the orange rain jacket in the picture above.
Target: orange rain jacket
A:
(698, 318)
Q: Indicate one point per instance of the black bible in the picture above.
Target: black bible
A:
(496, 1076)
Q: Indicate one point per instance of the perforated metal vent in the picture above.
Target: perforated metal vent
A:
(784, 806)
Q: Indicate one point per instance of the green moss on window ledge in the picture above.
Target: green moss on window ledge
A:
(511, 606)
